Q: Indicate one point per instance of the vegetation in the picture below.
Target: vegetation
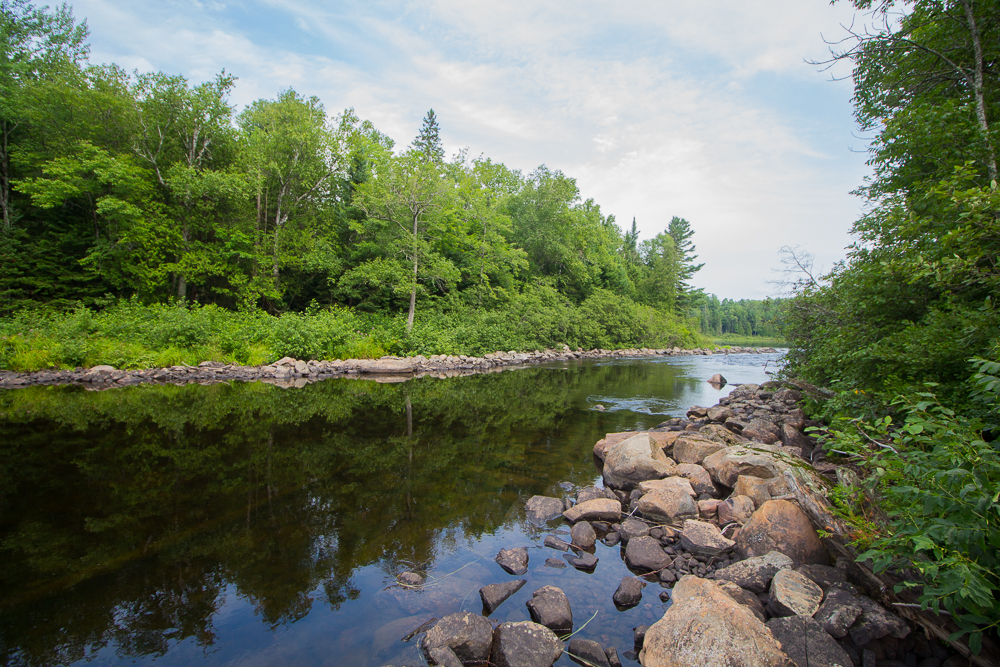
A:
(914, 304)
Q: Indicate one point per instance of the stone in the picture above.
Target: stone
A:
(583, 561)
(707, 628)
(411, 579)
(583, 535)
(744, 597)
(468, 635)
(524, 644)
(876, 622)
(726, 465)
(102, 368)
(796, 419)
(672, 508)
(697, 412)
(779, 525)
(694, 449)
(599, 509)
(807, 644)
(645, 553)
(442, 656)
(792, 395)
(737, 509)
(635, 460)
(700, 537)
(555, 562)
(668, 484)
(629, 592)
(762, 430)
(753, 488)
(554, 542)
(720, 433)
(592, 493)
(550, 607)
(587, 652)
(717, 379)
(824, 575)
(602, 446)
(755, 574)
(708, 509)
(793, 594)
(386, 365)
(543, 508)
(514, 561)
(493, 595)
(613, 659)
(792, 437)
(720, 413)
(701, 481)
(632, 528)
(612, 538)
(840, 609)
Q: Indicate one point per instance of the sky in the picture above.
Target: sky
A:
(705, 110)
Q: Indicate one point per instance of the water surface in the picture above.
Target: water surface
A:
(250, 524)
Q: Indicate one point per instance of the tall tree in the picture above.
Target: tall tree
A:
(428, 142)
(680, 231)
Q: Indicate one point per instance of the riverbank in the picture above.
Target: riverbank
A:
(298, 372)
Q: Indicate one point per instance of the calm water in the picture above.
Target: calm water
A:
(249, 524)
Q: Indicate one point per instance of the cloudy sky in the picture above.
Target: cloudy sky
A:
(705, 110)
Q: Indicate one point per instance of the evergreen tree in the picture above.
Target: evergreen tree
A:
(428, 142)
(680, 231)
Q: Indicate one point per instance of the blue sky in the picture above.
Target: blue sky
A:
(705, 109)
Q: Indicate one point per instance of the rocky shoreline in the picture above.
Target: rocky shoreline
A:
(726, 512)
(289, 372)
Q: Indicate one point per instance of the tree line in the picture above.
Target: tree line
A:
(745, 317)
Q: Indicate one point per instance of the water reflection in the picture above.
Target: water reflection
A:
(249, 523)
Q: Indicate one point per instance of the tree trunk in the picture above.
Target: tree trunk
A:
(5, 177)
(416, 264)
(991, 160)
(181, 279)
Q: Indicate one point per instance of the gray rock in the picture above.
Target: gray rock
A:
(793, 594)
(876, 622)
(695, 449)
(632, 528)
(736, 509)
(554, 542)
(583, 535)
(717, 379)
(645, 553)
(704, 538)
(635, 460)
(494, 595)
(726, 465)
(555, 562)
(593, 493)
(755, 574)
(524, 644)
(629, 592)
(411, 579)
(669, 505)
(807, 644)
(639, 636)
(543, 508)
(824, 575)
(599, 509)
(613, 659)
(442, 656)
(745, 598)
(762, 430)
(587, 652)
(468, 635)
(697, 412)
(583, 561)
(720, 413)
(701, 481)
(514, 561)
(550, 607)
(840, 609)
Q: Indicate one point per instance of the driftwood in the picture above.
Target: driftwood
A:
(809, 491)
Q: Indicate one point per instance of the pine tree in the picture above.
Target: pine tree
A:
(428, 142)
(680, 231)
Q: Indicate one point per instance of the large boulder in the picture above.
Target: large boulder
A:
(793, 594)
(635, 460)
(524, 644)
(645, 553)
(695, 449)
(762, 430)
(549, 606)
(705, 627)
(806, 643)
(779, 525)
(699, 478)
(703, 538)
(669, 506)
(602, 446)
(668, 485)
(726, 465)
(755, 574)
(592, 493)
(543, 508)
(720, 413)
(599, 509)
(468, 635)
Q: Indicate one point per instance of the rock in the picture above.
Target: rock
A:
(876, 622)
(792, 437)
(735, 508)
(524, 644)
(592, 493)
(704, 627)
(410, 579)
(762, 430)
(549, 606)
(613, 659)
(720, 433)
(515, 560)
(587, 652)
(699, 478)
(604, 444)
(632, 528)
(697, 412)
(555, 562)
(840, 609)
(807, 644)
(442, 656)
(103, 368)
(583, 535)
(717, 379)
(726, 465)
(494, 595)
(673, 508)
(635, 460)
(639, 636)
(703, 538)
(755, 574)
(584, 561)
(720, 413)
(645, 553)
(554, 542)
(629, 592)
(386, 365)
(600, 408)
(599, 509)
(693, 449)
(468, 635)
(543, 508)
(753, 488)
(796, 419)
(824, 575)
(708, 509)
(779, 525)
(793, 594)
(786, 395)
(668, 485)
(744, 597)
(611, 539)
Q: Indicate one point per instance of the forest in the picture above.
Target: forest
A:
(139, 201)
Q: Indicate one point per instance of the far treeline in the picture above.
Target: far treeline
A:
(905, 334)
(121, 192)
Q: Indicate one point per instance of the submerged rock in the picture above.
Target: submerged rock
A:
(514, 561)
(524, 644)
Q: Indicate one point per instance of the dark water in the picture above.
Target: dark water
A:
(251, 524)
